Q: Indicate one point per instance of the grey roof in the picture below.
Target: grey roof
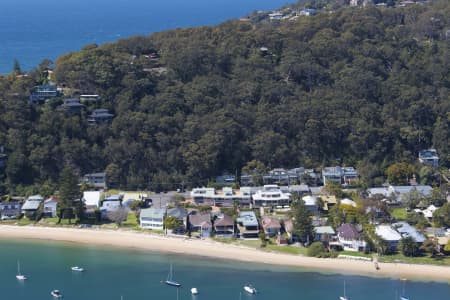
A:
(387, 233)
(324, 229)
(200, 220)
(348, 231)
(177, 212)
(36, 198)
(247, 218)
(224, 220)
(407, 230)
(154, 213)
(31, 205)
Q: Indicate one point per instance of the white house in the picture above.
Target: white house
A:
(50, 207)
(350, 238)
(271, 195)
(92, 198)
(387, 233)
(152, 218)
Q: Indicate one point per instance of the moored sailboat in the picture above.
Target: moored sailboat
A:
(170, 281)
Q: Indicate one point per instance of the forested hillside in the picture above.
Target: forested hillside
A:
(363, 87)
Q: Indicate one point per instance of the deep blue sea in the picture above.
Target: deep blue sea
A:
(31, 30)
(111, 273)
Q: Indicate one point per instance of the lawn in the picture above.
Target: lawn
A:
(271, 246)
(131, 222)
(399, 213)
(400, 258)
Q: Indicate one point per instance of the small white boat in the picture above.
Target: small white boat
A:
(345, 296)
(56, 294)
(249, 289)
(77, 268)
(403, 298)
(194, 291)
(170, 281)
(20, 276)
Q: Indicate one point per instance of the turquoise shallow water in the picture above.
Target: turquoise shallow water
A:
(111, 273)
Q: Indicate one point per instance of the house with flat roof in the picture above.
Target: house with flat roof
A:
(248, 226)
(92, 198)
(89, 97)
(226, 197)
(390, 235)
(43, 92)
(311, 203)
(429, 157)
(339, 175)
(350, 238)
(224, 226)
(271, 195)
(152, 218)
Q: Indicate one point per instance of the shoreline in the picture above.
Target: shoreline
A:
(213, 249)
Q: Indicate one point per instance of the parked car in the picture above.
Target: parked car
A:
(179, 230)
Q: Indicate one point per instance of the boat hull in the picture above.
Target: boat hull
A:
(250, 290)
(172, 283)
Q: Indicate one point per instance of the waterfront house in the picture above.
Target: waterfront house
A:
(224, 226)
(271, 226)
(92, 198)
(100, 116)
(30, 207)
(180, 213)
(109, 204)
(389, 235)
(248, 226)
(200, 225)
(96, 180)
(9, 209)
(324, 233)
(152, 218)
(50, 207)
(350, 238)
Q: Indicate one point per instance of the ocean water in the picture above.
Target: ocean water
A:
(112, 273)
(32, 30)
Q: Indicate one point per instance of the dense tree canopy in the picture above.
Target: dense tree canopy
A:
(367, 87)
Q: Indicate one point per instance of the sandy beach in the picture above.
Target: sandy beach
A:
(145, 241)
